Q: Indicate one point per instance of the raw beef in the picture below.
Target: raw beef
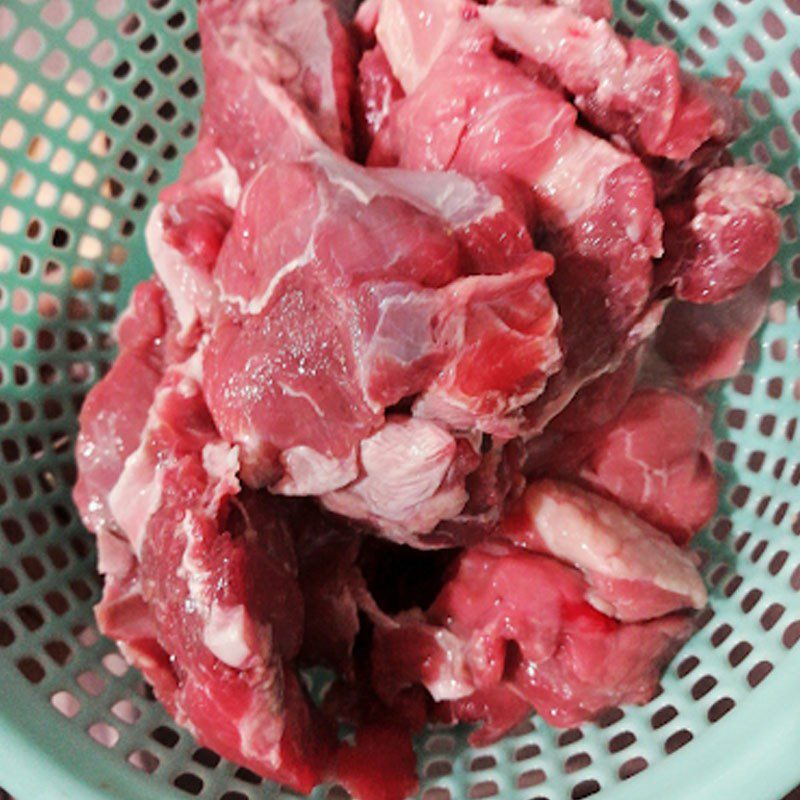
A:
(377, 92)
(114, 414)
(185, 233)
(663, 473)
(513, 630)
(275, 72)
(623, 86)
(596, 203)
(413, 394)
(634, 572)
(719, 239)
(700, 344)
(380, 272)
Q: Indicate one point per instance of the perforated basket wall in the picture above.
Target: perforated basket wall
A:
(98, 101)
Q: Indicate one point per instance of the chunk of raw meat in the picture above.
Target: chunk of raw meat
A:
(512, 624)
(276, 74)
(331, 350)
(415, 33)
(634, 572)
(412, 477)
(338, 258)
(718, 240)
(656, 459)
(226, 610)
(503, 333)
(601, 400)
(185, 232)
(700, 344)
(115, 412)
(623, 86)
(596, 204)
(595, 9)
(377, 92)
(373, 261)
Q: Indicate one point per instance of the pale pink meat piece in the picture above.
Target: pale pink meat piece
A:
(276, 74)
(374, 258)
(377, 92)
(226, 608)
(415, 33)
(185, 232)
(115, 412)
(595, 203)
(634, 571)
(595, 9)
(412, 477)
(624, 86)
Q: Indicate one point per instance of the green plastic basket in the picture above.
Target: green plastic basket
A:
(99, 99)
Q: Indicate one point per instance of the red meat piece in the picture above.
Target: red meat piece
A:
(718, 240)
(512, 628)
(377, 92)
(275, 73)
(373, 261)
(701, 344)
(624, 86)
(656, 459)
(596, 204)
(634, 572)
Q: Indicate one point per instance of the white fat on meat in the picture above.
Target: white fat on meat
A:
(457, 198)
(191, 290)
(221, 463)
(604, 540)
(309, 472)
(404, 466)
(572, 182)
(414, 33)
(136, 495)
(227, 633)
(114, 555)
(192, 568)
(452, 680)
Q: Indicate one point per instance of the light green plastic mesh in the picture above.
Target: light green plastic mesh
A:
(99, 100)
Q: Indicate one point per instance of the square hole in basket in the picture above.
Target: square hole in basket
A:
(126, 711)
(91, 683)
(190, 783)
(65, 703)
(143, 760)
(104, 734)
(166, 736)
(483, 789)
(59, 651)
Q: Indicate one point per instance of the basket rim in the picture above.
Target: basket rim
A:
(48, 741)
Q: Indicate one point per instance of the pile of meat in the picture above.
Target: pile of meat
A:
(415, 391)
